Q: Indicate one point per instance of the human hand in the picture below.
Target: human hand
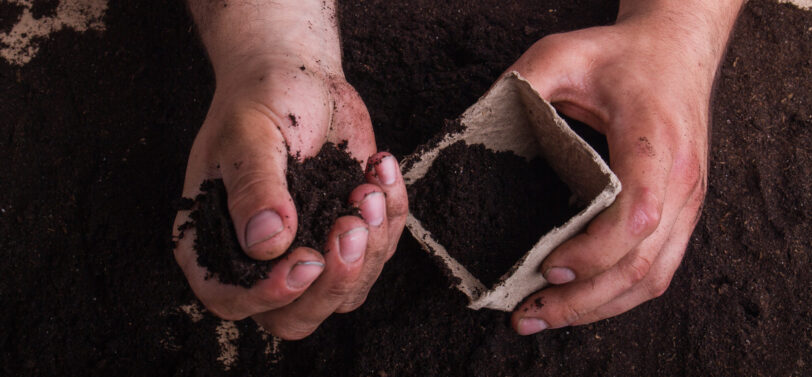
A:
(290, 100)
(645, 83)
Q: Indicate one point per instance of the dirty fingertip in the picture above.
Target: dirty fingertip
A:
(387, 170)
(352, 244)
(373, 208)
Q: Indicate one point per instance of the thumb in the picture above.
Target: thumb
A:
(548, 65)
(559, 67)
(253, 158)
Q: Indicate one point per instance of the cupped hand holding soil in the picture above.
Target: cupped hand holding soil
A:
(279, 98)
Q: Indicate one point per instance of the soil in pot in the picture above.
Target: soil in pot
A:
(489, 208)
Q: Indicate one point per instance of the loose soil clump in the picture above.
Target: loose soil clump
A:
(320, 187)
(489, 208)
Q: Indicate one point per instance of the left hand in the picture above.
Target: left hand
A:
(647, 88)
(280, 90)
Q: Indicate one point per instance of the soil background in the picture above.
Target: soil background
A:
(94, 135)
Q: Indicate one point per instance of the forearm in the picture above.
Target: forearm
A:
(237, 32)
(697, 30)
(704, 23)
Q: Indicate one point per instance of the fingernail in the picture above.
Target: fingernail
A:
(303, 273)
(373, 207)
(262, 227)
(528, 326)
(387, 170)
(352, 244)
(559, 275)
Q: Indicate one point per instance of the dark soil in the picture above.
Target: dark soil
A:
(96, 130)
(44, 8)
(9, 12)
(489, 208)
(320, 187)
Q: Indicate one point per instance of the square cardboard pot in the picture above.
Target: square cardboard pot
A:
(512, 116)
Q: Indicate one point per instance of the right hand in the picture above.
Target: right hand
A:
(243, 141)
(644, 82)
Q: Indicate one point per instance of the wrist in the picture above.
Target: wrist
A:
(263, 68)
(693, 26)
(243, 37)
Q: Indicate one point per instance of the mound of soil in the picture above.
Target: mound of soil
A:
(320, 187)
(489, 208)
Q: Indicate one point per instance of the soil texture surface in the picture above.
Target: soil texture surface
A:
(320, 187)
(489, 208)
(96, 129)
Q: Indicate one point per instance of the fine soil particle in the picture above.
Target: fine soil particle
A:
(95, 135)
(320, 187)
(489, 208)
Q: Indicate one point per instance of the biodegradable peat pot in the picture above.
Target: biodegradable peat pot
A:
(512, 116)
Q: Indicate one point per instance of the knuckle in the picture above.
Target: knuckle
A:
(646, 213)
(377, 240)
(658, 287)
(248, 184)
(397, 203)
(376, 255)
(399, 209)
(637, 270)
(570, 314)
(587, 264)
